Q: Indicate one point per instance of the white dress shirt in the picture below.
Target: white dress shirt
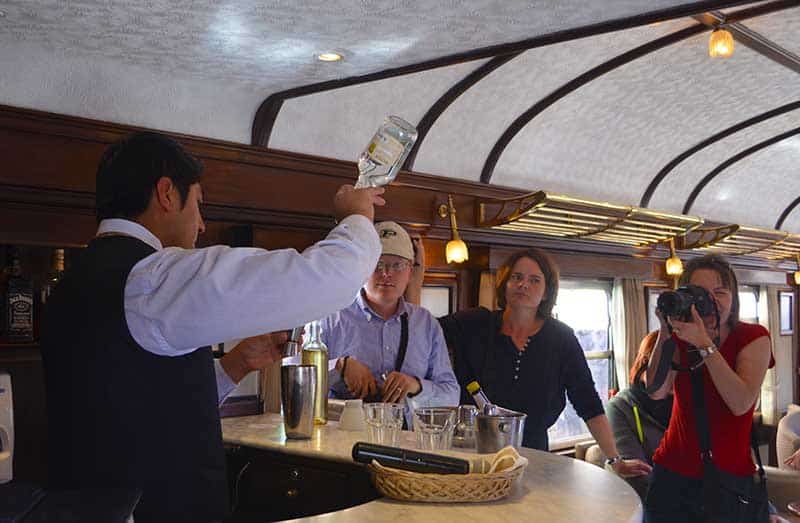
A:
(177, 300)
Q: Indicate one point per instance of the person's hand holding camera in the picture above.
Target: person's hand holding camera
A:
(692, 332)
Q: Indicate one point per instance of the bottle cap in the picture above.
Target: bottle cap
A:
(473, 387)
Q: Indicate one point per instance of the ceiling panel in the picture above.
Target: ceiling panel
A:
(792, 222)
(781, 27)
(464, 135)
(757, 189)
(273, 43)
(673, 191)
(608, 140)
(340, 123)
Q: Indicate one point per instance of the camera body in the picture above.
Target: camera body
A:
(678, 303)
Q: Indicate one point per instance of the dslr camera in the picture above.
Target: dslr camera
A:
(678, 303)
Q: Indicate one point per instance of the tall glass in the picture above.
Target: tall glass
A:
(381, 160)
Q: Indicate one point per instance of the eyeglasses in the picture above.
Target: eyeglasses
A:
(518, 277)
(397, 266)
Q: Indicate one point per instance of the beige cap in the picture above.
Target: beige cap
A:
(395, 240)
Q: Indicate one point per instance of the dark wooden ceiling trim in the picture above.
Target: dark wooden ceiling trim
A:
(786, 212)
(592, 74)
(574, 84)
(262, 128)
(658, 178)
(732, 160)
(452, 94)
(265, 119)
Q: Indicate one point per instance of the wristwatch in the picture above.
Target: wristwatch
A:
(613, 461)
(705, 352)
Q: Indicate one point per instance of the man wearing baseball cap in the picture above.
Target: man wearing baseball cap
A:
(386, 348)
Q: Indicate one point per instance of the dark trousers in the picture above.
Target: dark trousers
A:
(673, 498)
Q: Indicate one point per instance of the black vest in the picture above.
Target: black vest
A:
(119, 416)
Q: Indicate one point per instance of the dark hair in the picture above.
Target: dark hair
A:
(721, 266)
(642, 358)
(130, 169)
(549, 269)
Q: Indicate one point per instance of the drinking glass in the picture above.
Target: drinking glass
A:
(384, 422)
(464, 432)
(434, 427)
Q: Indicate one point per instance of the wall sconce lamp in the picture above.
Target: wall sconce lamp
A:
(720, 43)
(797, 272)
(674, 264)
(456, 250)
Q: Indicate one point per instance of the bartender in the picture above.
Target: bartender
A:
(132, 401)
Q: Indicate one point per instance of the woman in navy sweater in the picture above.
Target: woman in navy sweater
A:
(528, 361)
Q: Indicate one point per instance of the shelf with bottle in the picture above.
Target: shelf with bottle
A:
(28, 275)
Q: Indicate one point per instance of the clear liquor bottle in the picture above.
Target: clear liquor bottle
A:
(381, 160)
(315, 352)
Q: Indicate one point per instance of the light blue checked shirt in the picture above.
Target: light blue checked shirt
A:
(359, 332)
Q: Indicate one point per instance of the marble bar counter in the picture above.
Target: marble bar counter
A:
(553, 488)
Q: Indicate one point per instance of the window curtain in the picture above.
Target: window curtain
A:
(486, 294)
(771, 319)
(628, 324)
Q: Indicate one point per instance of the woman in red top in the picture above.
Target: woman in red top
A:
(733, 373)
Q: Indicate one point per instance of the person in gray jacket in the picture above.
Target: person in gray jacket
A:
(638, 421)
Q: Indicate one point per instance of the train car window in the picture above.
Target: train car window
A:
(748, 303)
(586, 307)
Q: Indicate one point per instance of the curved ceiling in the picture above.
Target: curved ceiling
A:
(203, 67)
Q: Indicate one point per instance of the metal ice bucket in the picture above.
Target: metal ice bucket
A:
(499, 430)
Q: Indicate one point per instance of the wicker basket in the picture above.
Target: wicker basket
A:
(443, 488)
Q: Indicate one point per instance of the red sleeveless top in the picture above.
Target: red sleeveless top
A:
(730, 435)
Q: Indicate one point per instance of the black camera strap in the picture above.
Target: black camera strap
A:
(664, 365)
(710, 476)
(401, 351)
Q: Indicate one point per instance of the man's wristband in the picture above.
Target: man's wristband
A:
(613, 461)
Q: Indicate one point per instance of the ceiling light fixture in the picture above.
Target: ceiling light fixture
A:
(329, 57)
(720, 43)
(456, 250)
(674, 264)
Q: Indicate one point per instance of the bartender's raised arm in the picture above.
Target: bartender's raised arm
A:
(179, 299)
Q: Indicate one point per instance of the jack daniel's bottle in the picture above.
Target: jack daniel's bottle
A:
(17, 306)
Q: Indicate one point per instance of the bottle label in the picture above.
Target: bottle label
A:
(385, 149)
(20, 312)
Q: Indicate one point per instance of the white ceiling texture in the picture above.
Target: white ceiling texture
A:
(589, 117)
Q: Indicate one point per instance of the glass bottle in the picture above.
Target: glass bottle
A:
(17, 301)
(484, 405)
(316, 353)
(381, 160)
(54, 276)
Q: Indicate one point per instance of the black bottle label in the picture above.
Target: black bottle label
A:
(20, 313)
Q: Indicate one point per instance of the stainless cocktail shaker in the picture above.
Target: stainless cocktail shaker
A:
(298, 392)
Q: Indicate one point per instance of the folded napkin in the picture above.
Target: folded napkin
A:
(505, 459)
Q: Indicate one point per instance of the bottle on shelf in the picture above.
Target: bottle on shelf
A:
(381, 160)
(484, 405)
(17, 304)
(315, 352)
(54, 275)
